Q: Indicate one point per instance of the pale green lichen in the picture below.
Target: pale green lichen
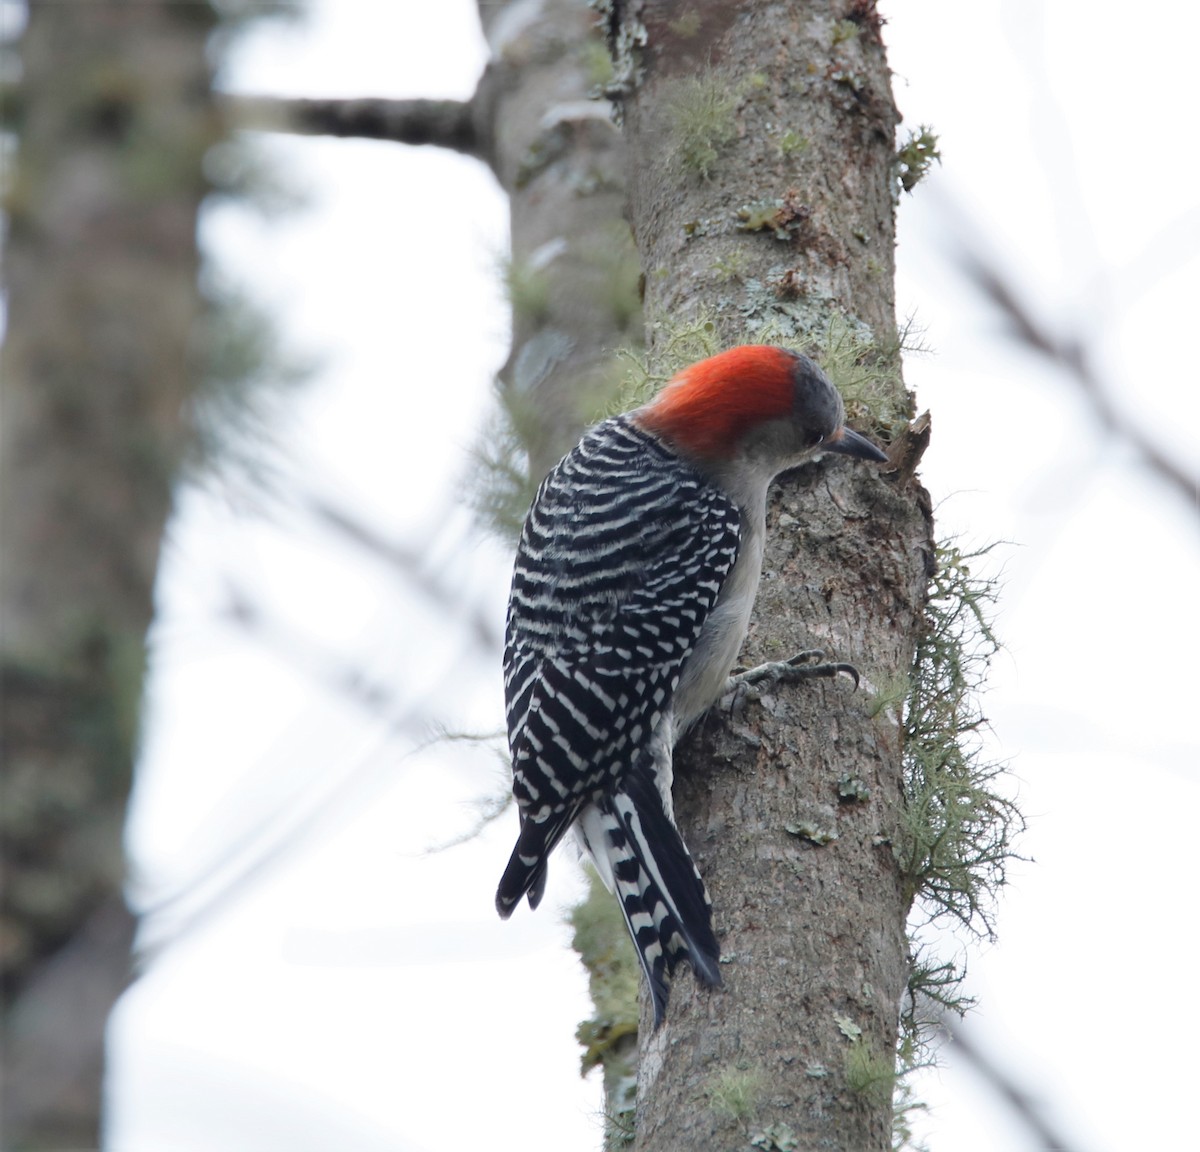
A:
(781, 216)
(686, 24)
(904, 1105)
(791, 143)
(597, 64)
(852, 789)
(870, 1074)
(778, 1137)
(916, 156)
(811, 831)
(732, 264)
(527, 287)
(843, 31)
(734, 1093)
(959, 825)
(701, 122)
(866, 371)
(848, 1028)
(677, 343)
(960, 821)
(610, 263)
(500, 485)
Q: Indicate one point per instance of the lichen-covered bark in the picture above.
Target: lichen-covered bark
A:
(807, 118)
(100, 276)
(761, 138)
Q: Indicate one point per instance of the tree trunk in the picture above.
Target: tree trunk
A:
(763, 179)
(112, 121)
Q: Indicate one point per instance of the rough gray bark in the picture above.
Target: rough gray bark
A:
(800, 128)
(101, 282)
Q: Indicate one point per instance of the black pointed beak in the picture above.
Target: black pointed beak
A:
(850, 443)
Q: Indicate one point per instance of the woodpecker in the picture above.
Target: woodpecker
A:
(632, 589)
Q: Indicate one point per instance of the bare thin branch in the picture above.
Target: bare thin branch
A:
(1069, 354)
(1025, 1106)
(409, 561)
(282, 831)
(443, 123)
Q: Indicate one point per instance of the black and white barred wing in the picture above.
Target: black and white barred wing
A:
(622, 558)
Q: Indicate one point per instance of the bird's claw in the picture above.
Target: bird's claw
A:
(806, 665)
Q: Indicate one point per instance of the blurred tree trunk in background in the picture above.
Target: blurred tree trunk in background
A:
(574, 289)
(112, 119)
(573, 268)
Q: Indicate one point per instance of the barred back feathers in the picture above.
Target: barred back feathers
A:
(621, 560)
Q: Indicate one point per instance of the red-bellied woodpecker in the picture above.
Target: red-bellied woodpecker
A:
(631, 595)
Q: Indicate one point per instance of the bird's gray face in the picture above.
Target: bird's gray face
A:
(817, 409)
(820, 415)
(816, 415)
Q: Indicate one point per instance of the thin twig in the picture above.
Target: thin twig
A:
(1023, 1105)
(410, 561)
(1069, 354)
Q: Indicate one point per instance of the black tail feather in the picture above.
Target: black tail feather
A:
(526, 869)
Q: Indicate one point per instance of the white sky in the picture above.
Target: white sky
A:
(329, 985)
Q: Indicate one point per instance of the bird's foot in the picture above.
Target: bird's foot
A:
(803, 666)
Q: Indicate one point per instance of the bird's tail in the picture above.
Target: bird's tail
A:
(526, 871)
(657, 885)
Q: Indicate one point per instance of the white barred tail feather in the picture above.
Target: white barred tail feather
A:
(642, 858)
(662, 896)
